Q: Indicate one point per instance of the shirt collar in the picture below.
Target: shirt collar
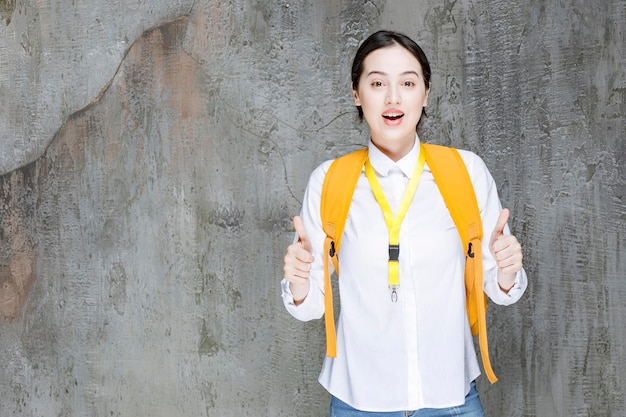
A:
(383, 164)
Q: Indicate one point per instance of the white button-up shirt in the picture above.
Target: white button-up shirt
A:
(417, 352)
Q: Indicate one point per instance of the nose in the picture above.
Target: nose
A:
(393, 95)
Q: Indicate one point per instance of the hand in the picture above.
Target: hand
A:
(298, 259)
(507, 252)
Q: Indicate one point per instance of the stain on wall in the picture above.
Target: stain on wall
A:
(6, 10)
(19, 251)
(57, 57)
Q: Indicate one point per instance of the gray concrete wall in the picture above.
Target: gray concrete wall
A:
(153, 154)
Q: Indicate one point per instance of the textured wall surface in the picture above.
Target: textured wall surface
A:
(153, 154)
(56, 57)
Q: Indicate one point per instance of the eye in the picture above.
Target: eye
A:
(409, 83)
(376, 84)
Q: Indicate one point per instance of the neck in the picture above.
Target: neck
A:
(395, 151)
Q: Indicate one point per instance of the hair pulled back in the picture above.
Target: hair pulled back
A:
(384, 39)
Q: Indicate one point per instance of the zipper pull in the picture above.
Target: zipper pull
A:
(394, 294)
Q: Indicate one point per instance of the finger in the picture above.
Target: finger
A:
(303, 238)
(505, 242)
(298, 256)
(295, 275)
(297, 264)
(510, 266)
(499, 229)
(509, 259)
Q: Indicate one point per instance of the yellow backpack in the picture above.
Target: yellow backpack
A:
(457, 191)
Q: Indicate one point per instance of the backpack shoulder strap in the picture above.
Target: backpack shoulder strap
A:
(339, 184)
(337, 191)
(456, 188)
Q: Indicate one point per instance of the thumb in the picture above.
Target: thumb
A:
(499, 229)
(301, 231)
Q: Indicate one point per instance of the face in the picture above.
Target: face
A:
(392, 94)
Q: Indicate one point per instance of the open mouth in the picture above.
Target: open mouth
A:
(393, 116)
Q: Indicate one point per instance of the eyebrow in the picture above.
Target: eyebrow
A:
(375, 72)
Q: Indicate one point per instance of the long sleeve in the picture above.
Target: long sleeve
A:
(313, 305)
(490, 208)
(417, 351)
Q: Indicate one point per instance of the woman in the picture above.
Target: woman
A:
(411, 354)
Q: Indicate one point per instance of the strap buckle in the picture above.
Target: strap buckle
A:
(394, 253)
(470, 250)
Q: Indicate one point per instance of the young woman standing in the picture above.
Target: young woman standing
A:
(411, 354)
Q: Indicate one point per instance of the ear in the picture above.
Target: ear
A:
(426, 95)
(357, 100)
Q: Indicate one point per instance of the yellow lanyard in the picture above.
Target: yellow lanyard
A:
(393, 223)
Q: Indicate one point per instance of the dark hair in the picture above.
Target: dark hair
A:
(383, 39)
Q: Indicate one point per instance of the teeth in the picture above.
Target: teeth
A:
(393, 115)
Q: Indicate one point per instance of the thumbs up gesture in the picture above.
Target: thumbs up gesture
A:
(298, 259)
(507, 252)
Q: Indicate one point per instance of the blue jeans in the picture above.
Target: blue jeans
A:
(471, 408)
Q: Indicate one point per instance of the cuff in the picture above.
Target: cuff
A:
(514, 294)
(286, 293)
